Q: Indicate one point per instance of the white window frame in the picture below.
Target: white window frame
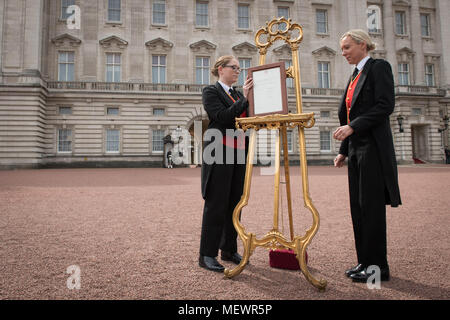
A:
(243, 21)
(114, 65)
(429, 74)
(204, 70)
(322, 141)
(427, 26)
(157, 142)
(159, 69)
(325, 11)
(244, 63)
(69, 140)
(400, 23)
(111, 10)
(201, 15)
(65, 60)
(402, 73)
(321, 74)
(64, 5)
(156, 13)
(115, 143)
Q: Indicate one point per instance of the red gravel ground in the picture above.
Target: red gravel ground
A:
(134, 234)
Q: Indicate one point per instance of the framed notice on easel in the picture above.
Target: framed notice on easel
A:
(268, 95)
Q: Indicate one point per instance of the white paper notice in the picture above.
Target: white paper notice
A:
(267, 91)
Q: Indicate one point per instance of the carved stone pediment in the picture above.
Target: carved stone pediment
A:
(159, 43)
(284, 50)
(112, 41)
(405, 54)
(203, 46)
(324, 51)
(401, 3)
(66, 40)
(378, 54)
(245, 48)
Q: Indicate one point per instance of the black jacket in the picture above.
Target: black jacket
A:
(222, 112)
(373, 101)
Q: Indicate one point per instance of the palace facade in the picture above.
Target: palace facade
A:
(118, 82)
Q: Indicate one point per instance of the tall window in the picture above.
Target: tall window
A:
(157, 140)
(244, 64)
(403, 74)
(159, 11)
(112, 140)
(158, 69)
(325, 141)
(66, 66)
(323, 69)
(114, 10)
(429, 75)
(243, 16)
(64, 5)
(64, 140)
(425, 25)
(113, 67)
(374, 19)
(202, 70)
(321, 21)
(201, 14)
(290, 145)
(400, 22)
(283, 12)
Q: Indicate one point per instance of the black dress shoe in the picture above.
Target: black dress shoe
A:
(363, 275)
(233, 257)
(210, 263)
(353, 270)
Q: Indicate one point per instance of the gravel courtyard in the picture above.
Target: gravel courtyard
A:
(134, 234)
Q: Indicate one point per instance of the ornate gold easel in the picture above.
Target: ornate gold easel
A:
(279, 29)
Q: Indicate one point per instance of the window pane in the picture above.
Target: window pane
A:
(321, 21)
(400, 23)
(243, 17)
(425, 24)
(157, 140)
(201, 14)
(112, 140)
(64, 5)
(158, 111)
(64, 140)
(159, 12)
(325, 141)
(112, 111)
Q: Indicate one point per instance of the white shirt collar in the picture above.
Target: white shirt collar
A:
(225, 87)
(362, 63)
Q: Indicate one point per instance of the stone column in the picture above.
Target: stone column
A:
(416, 43)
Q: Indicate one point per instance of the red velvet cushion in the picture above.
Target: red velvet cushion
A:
(285, 259)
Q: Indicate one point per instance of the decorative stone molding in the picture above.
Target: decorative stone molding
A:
(324, 51)
(159, 44)
(378, 54)
(283, 51)
(66, 40)
(405, 54)
(203, 46)
(111, 40)
(245, 48)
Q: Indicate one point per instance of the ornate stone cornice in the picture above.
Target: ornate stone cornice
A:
(109, 41)
(203, 45)
(159, 43)
(245, 47)
(66, 39)
(327, 51)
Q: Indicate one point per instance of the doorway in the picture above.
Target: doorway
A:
(420, 144)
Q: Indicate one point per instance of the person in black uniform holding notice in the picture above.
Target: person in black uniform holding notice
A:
(222, 181)
(366, 138)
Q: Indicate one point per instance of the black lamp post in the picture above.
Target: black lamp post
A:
(400, 123)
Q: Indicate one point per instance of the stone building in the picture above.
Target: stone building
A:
(103, 82)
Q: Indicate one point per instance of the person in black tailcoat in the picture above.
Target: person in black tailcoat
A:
(367, 142)
(222, 177)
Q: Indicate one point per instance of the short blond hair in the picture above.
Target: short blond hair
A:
(359, 35)
(221, 62)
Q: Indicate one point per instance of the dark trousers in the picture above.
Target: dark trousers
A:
(224, 192)
(367, 201)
